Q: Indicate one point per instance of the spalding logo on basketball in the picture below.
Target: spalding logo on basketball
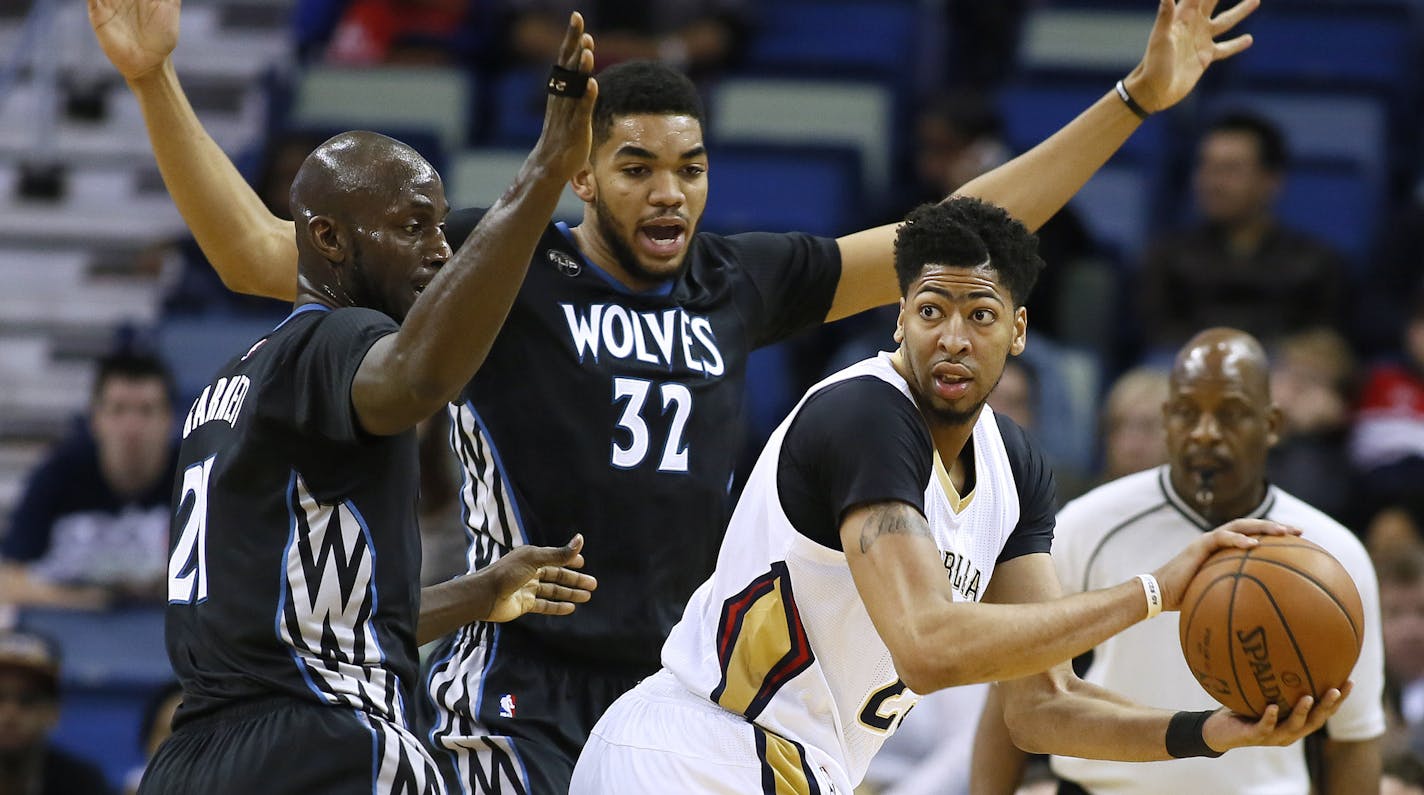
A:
(1271, 624)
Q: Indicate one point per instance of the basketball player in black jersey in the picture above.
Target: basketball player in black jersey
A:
(611, 401)
(293, 588)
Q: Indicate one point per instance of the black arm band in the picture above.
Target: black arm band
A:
(1131, 103)
(1184, 735)
(566, 82)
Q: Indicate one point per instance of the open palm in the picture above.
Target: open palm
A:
(137, 35)
(1183, 43)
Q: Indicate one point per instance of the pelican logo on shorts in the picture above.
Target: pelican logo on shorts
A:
(566, 264)
(506, 705)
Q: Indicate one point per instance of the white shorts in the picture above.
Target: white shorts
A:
(659, 738)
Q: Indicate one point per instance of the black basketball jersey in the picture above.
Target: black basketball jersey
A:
(294, 562)
(619, 414)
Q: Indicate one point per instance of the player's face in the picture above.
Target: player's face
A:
(956, 329)
(1231, 183)
(132, 421)
(1220, 424)
(402, 246)
(647, 185)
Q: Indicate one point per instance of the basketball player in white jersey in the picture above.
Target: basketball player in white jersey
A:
(881, 511)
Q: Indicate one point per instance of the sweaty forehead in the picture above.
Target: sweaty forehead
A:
(664, 134)
(941, 279)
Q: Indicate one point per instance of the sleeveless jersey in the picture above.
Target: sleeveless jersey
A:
(779, 634)
(619, 415)
(294, 551)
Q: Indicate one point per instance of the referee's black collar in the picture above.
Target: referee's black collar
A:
(1174, 499)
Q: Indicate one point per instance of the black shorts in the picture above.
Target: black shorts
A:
(283, 745)
(514, 721)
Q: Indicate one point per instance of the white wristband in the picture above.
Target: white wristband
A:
(1153, 592)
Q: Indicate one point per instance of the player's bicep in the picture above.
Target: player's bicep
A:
(1024, 579)
(897, 569)
(867, 272)
(384, 402)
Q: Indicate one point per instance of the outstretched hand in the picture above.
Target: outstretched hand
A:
(568, 121)
(1225, 729)
(1174, 575)
(137, 35)
(1182, 44)
(539, 580)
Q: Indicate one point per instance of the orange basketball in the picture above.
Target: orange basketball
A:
(1271, 624)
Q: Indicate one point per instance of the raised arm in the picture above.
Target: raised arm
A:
(1036, 184)
(407, 376)
(252, 249)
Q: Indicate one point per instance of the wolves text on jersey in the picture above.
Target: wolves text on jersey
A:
(218, 401)
(663, 338)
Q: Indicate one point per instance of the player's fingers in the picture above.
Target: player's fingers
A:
(1259, 527)
(1299, 715)
(1228, 19)
(560, 593)
(545, 607)
(573, 579)
(573, 36)
(1225, 49)
(1267, 722)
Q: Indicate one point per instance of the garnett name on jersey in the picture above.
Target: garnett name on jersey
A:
(662, 338)
(218, 401)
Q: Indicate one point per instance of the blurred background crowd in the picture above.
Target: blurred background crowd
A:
(1285, 197)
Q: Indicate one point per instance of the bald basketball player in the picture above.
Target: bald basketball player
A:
(294, 599)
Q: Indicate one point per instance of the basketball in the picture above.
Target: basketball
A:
(1271, 624)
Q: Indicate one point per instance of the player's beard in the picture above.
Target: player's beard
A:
(358, 285)
(620, 247)
(955, 417)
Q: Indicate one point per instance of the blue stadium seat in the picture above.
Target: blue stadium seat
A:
(1117, 207)
(783, 189)
(856, 114)
(1333, 200)
(195, 347)
(877, 39)
(517, 117)
(1363, 46)
(112, 662)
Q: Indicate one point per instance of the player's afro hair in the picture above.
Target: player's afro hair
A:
(965, 232)
(634, 87)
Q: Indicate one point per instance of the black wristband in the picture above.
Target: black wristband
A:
(1184, 735)
(1137, 110)
(566, 82)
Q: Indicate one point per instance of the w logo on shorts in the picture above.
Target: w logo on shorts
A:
(327, 606)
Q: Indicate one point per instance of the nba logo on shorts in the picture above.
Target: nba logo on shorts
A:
(506, 705)
(566, 264)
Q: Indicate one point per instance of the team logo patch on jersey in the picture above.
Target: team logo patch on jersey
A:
(566, 264)
(506, 705)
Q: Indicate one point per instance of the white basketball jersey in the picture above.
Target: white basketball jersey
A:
(779, 633)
